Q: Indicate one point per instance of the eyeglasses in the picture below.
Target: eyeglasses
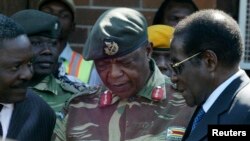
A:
(176, 67)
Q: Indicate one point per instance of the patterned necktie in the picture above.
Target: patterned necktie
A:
(198, 118)
(1, 129)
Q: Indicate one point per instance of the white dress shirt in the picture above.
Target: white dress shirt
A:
(5, 117)
(217, 92)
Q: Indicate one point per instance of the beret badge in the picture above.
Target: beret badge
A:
(110, 47)
(56, 26)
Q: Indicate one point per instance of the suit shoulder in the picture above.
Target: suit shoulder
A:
(243, 95)
(37, 103)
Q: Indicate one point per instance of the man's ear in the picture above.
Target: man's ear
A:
(149, 49)
(210, 59)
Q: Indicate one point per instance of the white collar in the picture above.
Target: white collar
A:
(5, 118)
(217, 92)
(9, 105)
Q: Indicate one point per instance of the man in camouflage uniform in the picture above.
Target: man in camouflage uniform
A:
(43, 31)
(138, 102)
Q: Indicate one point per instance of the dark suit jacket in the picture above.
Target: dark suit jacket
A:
(32, 120)
(231, 107)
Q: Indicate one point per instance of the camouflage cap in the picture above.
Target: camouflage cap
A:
(117, 32)
(39, 23)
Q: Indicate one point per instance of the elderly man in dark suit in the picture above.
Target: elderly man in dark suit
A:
(24, 116)
(205, 52)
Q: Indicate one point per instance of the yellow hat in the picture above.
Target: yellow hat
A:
(160, 36)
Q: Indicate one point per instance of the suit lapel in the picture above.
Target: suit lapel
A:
(19, 115)
(220, 106)
(189, 127)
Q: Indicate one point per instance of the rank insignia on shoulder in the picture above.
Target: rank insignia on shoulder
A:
(175, 133)
(105, 98)
(110, 47)
(157, 93)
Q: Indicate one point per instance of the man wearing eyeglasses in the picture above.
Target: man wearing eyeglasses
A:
(137, 102)
(205, 52)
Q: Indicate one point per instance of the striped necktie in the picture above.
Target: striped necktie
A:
(198, 118)
(1, 129)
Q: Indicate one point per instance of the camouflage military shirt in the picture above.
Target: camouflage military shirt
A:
(134, 119)
(55, 92)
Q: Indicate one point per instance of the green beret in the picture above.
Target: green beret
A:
(117, 32)
(37, 23)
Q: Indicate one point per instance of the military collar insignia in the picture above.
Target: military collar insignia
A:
(158, 94)
(105, 98)
(110, 47)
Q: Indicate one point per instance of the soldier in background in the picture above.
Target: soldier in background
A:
(172, 11)
(138, 102)
(72, 62)
(43, 31)
(159, 37)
